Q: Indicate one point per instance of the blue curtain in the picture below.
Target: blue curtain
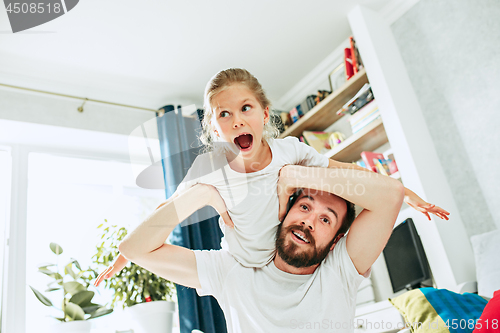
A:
(179, 146)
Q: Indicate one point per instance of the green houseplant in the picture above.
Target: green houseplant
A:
(76, 303)
(133, 284)
(145, 297)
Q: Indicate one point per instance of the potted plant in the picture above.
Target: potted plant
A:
(76, 304)
(146, 297)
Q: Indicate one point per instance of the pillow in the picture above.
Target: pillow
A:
(489, 321)
(439, 310)
(486, 249)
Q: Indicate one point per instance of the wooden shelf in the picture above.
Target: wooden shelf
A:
(369, 138)
(325, 113)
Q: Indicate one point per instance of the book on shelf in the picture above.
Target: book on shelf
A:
(352, 60)
(364, 116)
(366, 122)
(349, 69)
(378, 163)
(357, 64)
(362, 97)
(294, 115)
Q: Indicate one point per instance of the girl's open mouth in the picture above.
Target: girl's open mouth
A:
(244, 142)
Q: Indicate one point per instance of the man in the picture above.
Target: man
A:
(311, 284)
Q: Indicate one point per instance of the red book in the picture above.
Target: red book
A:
(349, 70)
(353, 55)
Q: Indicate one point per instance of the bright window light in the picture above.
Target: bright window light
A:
(5, 181)
(68, 198)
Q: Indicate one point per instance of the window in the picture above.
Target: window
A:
(5, 181)
(68, 198)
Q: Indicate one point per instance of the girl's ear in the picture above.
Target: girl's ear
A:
(216, 133)
(266, 115)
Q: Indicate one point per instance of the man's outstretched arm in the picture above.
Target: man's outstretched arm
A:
(145, 245)
(380, 196)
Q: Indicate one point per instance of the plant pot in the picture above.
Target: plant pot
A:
(77, 326)
(151, 317)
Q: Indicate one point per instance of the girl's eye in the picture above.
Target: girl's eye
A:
(304, 207)
(246, 108)
(224, 114)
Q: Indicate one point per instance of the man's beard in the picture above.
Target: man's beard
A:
(289, 252)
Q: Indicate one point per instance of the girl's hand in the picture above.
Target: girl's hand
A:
(116, 267)
(419, 204)
(216, 201)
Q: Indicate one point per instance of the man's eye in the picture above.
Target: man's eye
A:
(303, 207)
(246, 108)
(224, 114)
(326, 220)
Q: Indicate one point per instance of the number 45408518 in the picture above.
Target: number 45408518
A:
(30, 7)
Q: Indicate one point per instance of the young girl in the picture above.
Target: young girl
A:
(243, 163)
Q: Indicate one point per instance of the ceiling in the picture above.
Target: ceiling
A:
(151, 53)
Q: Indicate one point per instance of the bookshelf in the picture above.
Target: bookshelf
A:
(368, 139)
(325, 113)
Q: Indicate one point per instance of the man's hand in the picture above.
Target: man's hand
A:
(424, 207)
(116, 267)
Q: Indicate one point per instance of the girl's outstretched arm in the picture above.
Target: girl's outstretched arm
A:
(154, 230)
(147, 236)
(411, 198)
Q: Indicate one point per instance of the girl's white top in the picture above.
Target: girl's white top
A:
(251, 198)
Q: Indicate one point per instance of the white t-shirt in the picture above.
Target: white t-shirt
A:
(269, 300)
(251, 198)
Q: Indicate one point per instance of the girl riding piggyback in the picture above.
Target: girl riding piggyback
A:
(246, 159)
(242, 161)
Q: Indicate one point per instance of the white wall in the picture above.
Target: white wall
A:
(451, 52)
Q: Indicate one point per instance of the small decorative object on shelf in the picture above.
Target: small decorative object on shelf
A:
(335, 139)
(322, 94)
(286, 121)
(337, 77)
(322, 141)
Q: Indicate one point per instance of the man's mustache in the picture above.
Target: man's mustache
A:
(304, 230)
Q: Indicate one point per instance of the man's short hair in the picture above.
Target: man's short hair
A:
(349, 217)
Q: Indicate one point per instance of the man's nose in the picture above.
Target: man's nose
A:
(308, 221)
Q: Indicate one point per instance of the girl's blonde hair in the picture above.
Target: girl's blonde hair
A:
(223, 80)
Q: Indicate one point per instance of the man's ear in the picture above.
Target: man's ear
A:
(339, 236)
